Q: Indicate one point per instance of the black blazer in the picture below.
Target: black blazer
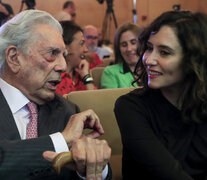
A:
(22, 159)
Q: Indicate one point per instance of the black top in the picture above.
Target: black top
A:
(157, 144)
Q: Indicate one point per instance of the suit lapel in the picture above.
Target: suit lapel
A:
(43, 123)
(8, 128)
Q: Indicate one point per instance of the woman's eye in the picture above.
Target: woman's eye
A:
(164, 53)
(133, 41)
(82, 42)
(123, 44)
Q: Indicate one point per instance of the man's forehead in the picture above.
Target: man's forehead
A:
(49, 37)
(91, 31)
(47, 30)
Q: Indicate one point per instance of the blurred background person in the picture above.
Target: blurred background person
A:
(77, 76)
(68, 12)
(91, 35)
(93, 59)
(6, 12)
(121, 74)
(163, 125)
(30, 4)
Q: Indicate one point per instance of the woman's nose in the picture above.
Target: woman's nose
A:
(150, 59)
(129, 47)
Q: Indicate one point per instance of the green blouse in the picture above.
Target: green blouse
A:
(115, 76)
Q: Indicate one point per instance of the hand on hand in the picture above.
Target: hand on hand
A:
(80, 121)
(90, 156)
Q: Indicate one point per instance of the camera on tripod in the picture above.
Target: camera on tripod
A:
(110, 15)
(109, 3)
(101, 1)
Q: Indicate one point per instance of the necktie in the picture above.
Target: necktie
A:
(32, 125)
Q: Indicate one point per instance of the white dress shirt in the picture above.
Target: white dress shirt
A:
(17, 103)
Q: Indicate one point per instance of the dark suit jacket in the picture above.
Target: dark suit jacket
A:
(22, 159)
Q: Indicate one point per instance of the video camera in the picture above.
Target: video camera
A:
(109, 3)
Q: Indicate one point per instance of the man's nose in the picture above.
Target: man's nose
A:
(61, 65)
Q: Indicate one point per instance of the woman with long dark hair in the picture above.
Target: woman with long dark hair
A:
(164, 124)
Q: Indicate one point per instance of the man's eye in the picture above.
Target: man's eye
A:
(51, 55)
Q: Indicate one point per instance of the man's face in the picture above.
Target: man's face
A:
(91, 36)
(40, 69)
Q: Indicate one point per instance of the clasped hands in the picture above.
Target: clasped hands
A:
(90, 155)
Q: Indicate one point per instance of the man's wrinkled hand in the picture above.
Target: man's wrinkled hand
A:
(78, 122)
(90, 156)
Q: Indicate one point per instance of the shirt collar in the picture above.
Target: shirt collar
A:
(15, 99)
(125, 68)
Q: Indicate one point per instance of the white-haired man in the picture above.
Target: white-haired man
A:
(33, 118)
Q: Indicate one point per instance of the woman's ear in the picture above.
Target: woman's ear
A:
(12, 59)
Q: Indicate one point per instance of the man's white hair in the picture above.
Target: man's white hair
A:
(19, 31)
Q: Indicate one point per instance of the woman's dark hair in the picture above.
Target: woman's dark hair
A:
(122, 29)
(69, 30)
(191, 30)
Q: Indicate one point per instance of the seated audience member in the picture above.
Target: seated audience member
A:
(121, 74)
(163, 125)
(101, 42)
(77, 76)
(93, 59)
(6, 12)
(34, 119)
(91, 35)
(68, 12)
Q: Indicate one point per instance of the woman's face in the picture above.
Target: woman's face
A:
(76, 50)
(162, 59)
(128, 47)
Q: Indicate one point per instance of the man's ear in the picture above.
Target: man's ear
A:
(12, 58)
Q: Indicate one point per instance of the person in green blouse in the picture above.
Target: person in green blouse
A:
(121, 74)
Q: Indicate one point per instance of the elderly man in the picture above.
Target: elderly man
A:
(91, 37)
(33, 118)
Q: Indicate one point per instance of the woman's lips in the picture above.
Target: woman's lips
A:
(154, 74)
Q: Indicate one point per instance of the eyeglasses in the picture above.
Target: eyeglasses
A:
(91, 37)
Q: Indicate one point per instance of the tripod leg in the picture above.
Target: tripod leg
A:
(106, 28)
(114, 18)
